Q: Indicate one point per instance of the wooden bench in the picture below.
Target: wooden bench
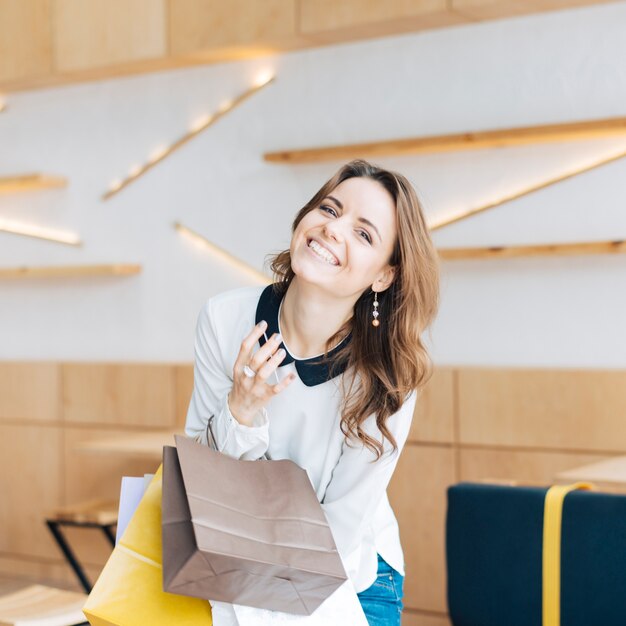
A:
(38, 605)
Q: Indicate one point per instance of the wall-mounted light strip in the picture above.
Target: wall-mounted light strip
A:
(39, 232)
(201, 124)
(557, 249)
(30, 182)
(528, 190)
(70, 271)
(222, 254)
(471, 140)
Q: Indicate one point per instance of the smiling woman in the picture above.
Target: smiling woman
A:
(372, 233)
(352, 296)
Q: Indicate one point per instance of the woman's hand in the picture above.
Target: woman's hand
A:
(250, 394)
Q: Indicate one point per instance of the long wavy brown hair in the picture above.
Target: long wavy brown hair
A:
(390, 360)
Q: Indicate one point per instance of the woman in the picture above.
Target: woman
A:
(334, 386)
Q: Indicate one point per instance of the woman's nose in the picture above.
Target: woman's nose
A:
(333, 231)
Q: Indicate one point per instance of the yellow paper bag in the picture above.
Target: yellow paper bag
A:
(129, 591)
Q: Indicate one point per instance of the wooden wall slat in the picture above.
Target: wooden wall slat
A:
(102, 33)
(29, 391)
(328, 20)
(131, 394)
(30, 486)
(543, 408)
(417, 494)
(25, 43)
(206, 25)
(184, 388)
(434, 410)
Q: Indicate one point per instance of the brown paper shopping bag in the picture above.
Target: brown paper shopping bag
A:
(245, 532)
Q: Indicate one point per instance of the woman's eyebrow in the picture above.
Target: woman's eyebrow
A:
(361, 219)
(335, 201)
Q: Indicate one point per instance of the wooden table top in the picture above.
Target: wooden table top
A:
(146, 445)
(607, 475)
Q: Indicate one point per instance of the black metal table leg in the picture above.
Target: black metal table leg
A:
(55, 529)
(107, 529)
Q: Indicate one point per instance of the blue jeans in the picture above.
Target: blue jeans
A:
(382, 602)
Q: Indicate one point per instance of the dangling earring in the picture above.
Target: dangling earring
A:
(375, 321)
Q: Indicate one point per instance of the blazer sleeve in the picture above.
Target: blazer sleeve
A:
(212, 381)
(357, 484)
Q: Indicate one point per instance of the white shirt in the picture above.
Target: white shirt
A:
(301, 423)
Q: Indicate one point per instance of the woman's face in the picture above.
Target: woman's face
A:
(344, 244)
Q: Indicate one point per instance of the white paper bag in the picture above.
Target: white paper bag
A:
(130, 495)
(339, 609)
(131, 492)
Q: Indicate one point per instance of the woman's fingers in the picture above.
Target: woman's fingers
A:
(264, 371)
(249, 394)
(245, 350)
(264, 353)
(264, 362)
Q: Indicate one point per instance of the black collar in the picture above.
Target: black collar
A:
(312, 371)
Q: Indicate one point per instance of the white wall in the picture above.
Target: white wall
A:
(555, 67)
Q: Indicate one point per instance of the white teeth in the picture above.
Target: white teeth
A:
(323, 253)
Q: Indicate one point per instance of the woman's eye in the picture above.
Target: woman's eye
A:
(365, 235)
(328, 209)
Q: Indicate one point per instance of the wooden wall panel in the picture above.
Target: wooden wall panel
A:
(562, 409)
(29, 391)
(526, 466)
(434, 410)
(55, 42)
(498, 9)
(132, 394)
(184, 388)
(30, 486)
(514, 424)
(197, 25)
(25, 42)
(102, 33)
(417, 494)
(328, 20)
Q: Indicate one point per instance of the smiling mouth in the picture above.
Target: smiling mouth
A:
(321, 252)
